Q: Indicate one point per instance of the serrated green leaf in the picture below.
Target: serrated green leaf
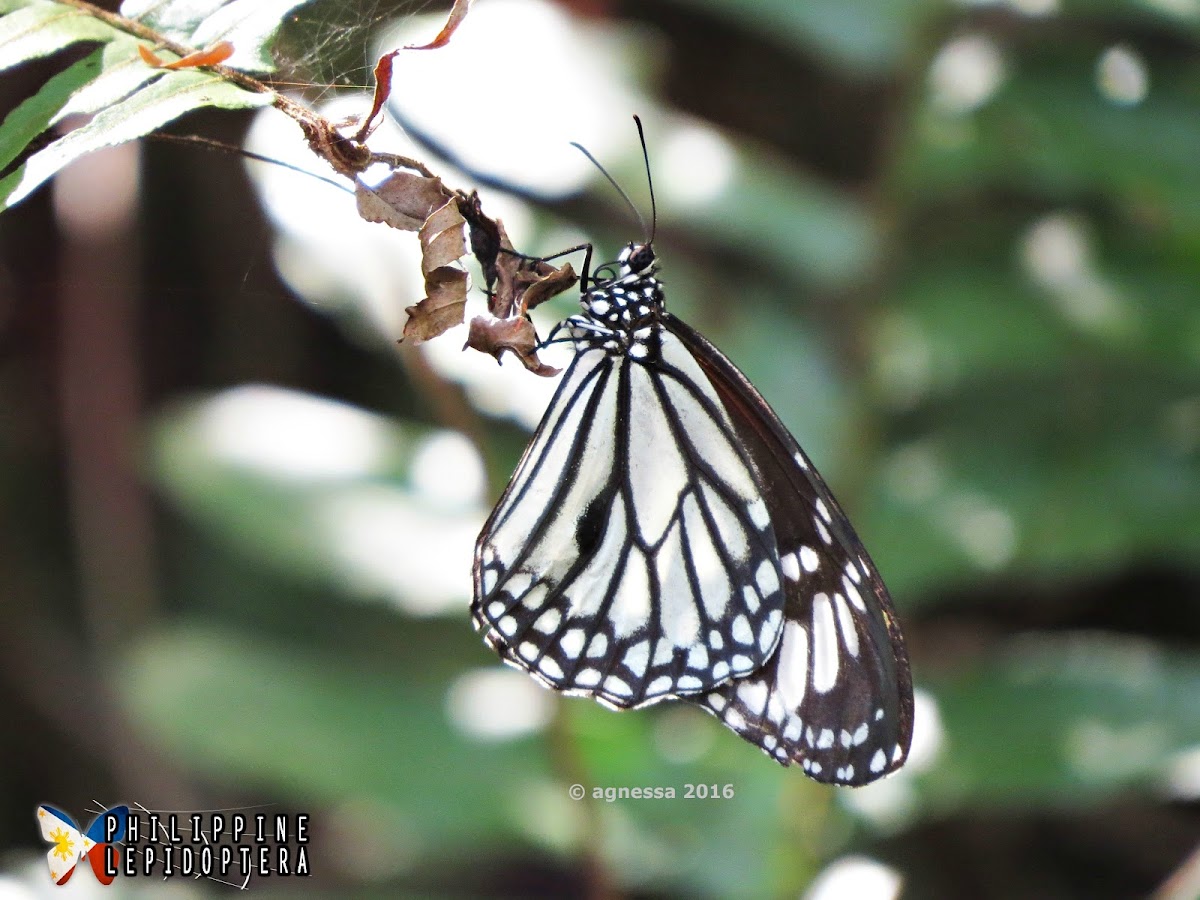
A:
(123, 71)
(34, 115)
(109, 74)
(137, 115)
(39, 30)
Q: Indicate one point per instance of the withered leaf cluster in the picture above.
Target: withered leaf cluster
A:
(515, 283)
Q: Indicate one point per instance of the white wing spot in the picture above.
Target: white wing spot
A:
(528, 650)
(825, 741)
(823, 531)
(717, 701)
(496, 609)
(846, 621)
(800, 460)
(860, 734)
(637, 656)
(824, 510)
(770, 742)
(852, 571)
(660, 685)
(816, 768)
(766, 578)
(741, 663)
(615, 685)
(550, 668)
(720, 669)
(547, 622)
(714, 640)
(896, 754)
(638, 351)
(588, 678)
(753, 695)
(572, 642)
(878, 761)
(489, 580)
(734, 720)
(758, 513)
(846, 737)
(698, 657)
(751, 599)
(663, 653)
(741, 630)
(770, 630)
(849, 776)
(878, 714)
(809, 559)
(825, 645)
(792, 672)
(790, 566)
(598, 646)
(507, 626)
(792, 732)
(690, 683)
(854, 595)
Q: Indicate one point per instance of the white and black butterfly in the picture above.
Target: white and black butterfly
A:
(665, 537)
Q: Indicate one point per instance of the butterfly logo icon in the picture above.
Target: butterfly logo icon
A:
(69, 844)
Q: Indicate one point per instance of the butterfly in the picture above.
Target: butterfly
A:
(69, 845)
(664, 537)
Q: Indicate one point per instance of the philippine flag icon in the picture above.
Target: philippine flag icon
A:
(69, 845)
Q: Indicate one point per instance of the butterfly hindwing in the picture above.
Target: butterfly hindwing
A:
(631, 557)
(836, 697)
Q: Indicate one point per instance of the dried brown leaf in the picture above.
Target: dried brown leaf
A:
(383, 88)
(403, 200)
(485, 235)
(494, 336)
(442, 244)
(458, 12)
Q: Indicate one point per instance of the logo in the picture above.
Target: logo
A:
(228, 846)
(70, 845)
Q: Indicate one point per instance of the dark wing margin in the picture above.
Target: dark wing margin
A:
(836, 696)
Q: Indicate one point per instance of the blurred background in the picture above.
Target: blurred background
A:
(955, 244)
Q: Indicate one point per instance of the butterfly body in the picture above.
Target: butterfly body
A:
(664, 537)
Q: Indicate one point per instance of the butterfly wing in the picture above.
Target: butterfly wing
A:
(836, 697)
(59, 829)
(631, 557)
(105, 830)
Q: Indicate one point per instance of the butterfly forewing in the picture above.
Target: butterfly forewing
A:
(632, 557)
(836, 697)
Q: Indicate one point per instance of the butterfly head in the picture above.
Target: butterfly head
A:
(637, 260)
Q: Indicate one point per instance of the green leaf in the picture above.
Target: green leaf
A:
(163, 101)
(34, 115)
(44, 28)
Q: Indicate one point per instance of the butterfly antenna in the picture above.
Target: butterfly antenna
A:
(624, 196)
(649, 181)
